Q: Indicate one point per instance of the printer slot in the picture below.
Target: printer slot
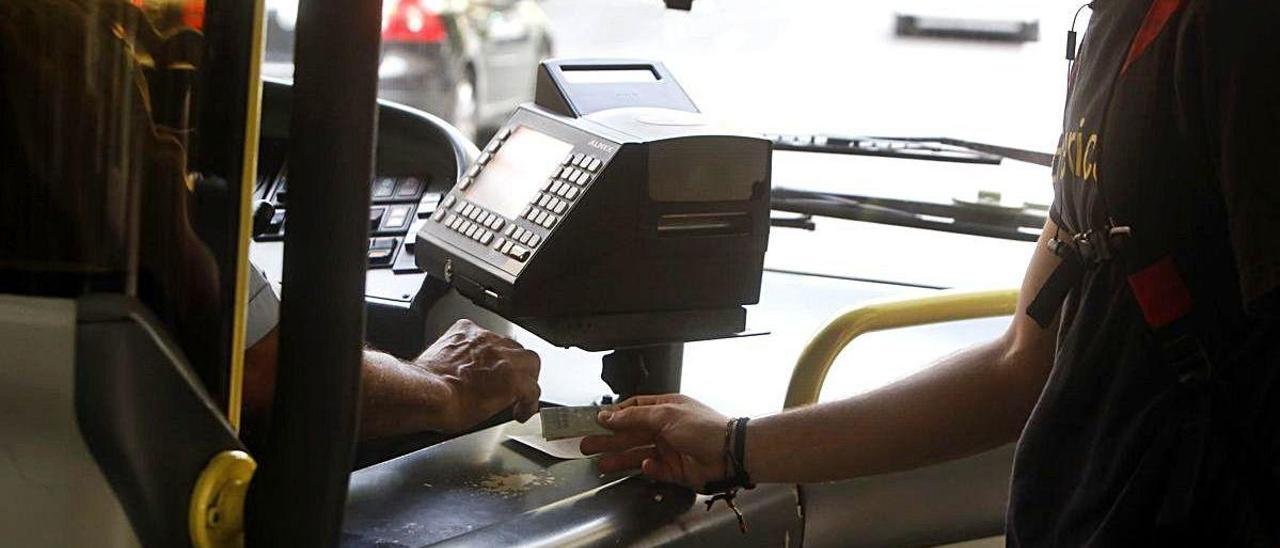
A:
(704, 224)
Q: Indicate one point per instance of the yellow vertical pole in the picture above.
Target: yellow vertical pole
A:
(249, 173)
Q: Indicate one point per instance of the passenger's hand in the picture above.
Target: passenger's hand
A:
(485, 373)
(671, 438)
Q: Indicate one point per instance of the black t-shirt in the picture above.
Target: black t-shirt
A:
(1187, 153)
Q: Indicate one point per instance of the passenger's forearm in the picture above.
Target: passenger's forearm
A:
(971, 401)
(398, 398)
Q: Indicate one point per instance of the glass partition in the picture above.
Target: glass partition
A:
(110, 181)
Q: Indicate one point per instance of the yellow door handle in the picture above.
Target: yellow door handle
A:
(216, 516)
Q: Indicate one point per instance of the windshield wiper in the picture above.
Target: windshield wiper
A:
(1020, 154)
(938, 149)
(994, 221)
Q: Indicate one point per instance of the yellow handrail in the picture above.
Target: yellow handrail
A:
(815, 361)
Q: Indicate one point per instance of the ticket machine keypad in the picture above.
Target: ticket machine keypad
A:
(517, 238)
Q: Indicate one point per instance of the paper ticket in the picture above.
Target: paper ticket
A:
(570, 422)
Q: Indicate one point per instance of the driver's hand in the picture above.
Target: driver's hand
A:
(671, 438)
(485, 373)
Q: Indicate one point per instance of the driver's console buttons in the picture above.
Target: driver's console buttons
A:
(382, 243)
(277, 222)
(397, 217)
(282, 191)
(375, 217)
(380, 257)
(594, 164)
(408, 188)
(382, 251)
(503, 134)
(384, 187)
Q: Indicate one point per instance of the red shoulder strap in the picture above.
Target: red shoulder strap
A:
(1157, 17)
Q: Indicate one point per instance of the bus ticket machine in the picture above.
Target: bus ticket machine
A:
(610, 215)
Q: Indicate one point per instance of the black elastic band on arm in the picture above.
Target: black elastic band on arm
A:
(740, 453)
(1049, 298)
(735, 448)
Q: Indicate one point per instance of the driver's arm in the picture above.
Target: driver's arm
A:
(470, 374)
(976, 399)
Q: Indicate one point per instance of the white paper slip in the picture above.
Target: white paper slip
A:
(561, 449)
(570, 422)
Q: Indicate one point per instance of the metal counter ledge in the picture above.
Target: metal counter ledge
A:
(484, 489)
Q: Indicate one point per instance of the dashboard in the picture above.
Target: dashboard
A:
(418, 158)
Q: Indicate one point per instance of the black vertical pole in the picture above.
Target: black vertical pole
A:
(301, 488)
